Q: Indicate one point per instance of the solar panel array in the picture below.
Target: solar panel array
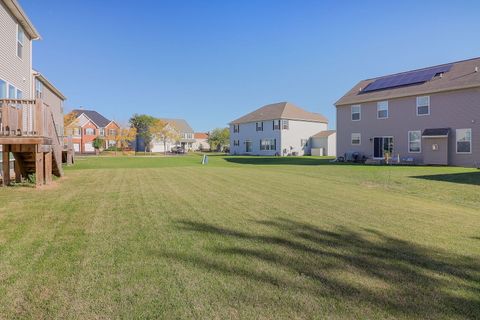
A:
(406, 78)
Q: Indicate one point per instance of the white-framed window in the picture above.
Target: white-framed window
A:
(89, 131)
(415, 141)
(303, 143)
(3, 89)
(112, 132)
(259, 126)
(382, 110)
(423, 106)
(356, 139)
(12, 92)
(20, 41)
(464, 140)
(236, 128)
(285, 125)
(276, 124)
(268, 144)
(101, 132)
(38, 89)
(76, 132)
(19, 94)
(356, 112)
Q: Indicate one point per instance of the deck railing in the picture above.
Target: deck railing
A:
(25, 118)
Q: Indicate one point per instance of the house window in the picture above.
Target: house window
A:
(464, 140)
(112, 132)
(268, 144)
(356, 138)
(38, 89)
(101, 132)
(76, 132)
(276, 124)
(414, 141)
(19, 94)
(11, 92)
(303, 143)
(382, 110)
(285, 125)
(90, 131)
(236, 143)
(236, 128)
(3, 89)
(356, 112)
(248, 146)
(20, 40)
(259, 126)
(423, 106)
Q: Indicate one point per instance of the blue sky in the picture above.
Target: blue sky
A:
(213, 61)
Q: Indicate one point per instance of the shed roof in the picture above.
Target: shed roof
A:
(324, 134)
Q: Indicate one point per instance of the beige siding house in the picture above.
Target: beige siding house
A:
(16, 35)
(426, 116)
(31, 108)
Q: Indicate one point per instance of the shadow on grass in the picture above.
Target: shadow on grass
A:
(304, 161)
(472, 178)
(366, 270)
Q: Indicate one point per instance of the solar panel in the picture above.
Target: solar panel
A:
(406, 78)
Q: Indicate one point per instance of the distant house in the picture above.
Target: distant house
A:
(89, 125)
(276, 129)
(324, 143)
(429, 116)
(184, 139)
(201, 141)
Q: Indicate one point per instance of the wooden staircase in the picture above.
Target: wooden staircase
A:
(28, 131)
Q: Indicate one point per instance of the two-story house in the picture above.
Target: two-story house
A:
(87, 126)
(429, 116)
(275, 129)
(184, 139)
(31, 108)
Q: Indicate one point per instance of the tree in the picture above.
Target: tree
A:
(219, 138)
(164, 132)
(98, 144)
(69, 122)
(124, 137)
(142, 123)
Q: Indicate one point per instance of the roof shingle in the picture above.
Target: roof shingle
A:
(462, 75)
(96, 117)
(281, 110)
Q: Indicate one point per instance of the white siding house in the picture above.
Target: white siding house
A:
(277, 129)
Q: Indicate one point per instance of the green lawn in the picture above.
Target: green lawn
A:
(242, 238)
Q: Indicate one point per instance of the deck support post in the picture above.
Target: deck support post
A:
(39, 168)
(48, 167)
(18, 171)
(6, 164)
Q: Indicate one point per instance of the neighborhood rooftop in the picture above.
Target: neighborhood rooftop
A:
(281, 110)
(451, 76)
(324, 134)
(179, 124)
(93, 115)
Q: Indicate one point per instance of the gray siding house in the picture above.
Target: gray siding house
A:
(427, 116)
(276, 129)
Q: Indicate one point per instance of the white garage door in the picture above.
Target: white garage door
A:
(89, 147)
(76, 147)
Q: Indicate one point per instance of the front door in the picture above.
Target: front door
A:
(382, 145)
(248, 146)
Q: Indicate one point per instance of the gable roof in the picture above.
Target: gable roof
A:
(324, 134)
(281, 110)
(462, 75)
(200, 135)
(17, 11)
(96, 117)
(49, 85)
(179, 124)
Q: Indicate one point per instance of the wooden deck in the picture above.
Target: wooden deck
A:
(28, 131)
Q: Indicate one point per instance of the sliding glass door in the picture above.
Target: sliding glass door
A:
(382, 145)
